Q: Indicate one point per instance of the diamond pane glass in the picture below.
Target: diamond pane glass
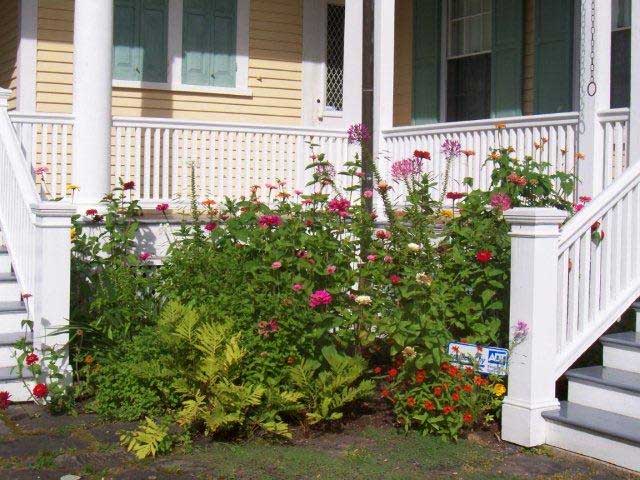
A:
(335, 57)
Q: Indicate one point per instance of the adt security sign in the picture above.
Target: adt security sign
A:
(489, 360)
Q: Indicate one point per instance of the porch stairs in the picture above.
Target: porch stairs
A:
(601, 418)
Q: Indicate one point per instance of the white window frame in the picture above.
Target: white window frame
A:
(328, 112)
(174, 56)
(449, 42)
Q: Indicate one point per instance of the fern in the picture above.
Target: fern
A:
(148, 440)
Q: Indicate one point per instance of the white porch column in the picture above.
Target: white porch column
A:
(383, 64)
(92, 58)
(26, 62)
(534, 263)
(591, 135)
(633, 149)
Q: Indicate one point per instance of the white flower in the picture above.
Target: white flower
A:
(363, 300)
(423, 278)
(414, 247)
(409, 352)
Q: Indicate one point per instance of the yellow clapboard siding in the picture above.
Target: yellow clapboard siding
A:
(170, 101)
(55, 14)
(57, 25)
(52, 56)
(56, 35)
(55, 67)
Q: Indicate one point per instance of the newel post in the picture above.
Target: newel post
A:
(534, 277)
(51, 296)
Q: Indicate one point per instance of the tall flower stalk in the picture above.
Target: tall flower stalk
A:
(451, 149)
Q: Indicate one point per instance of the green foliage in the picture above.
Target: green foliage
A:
(148, 440)
(328, 392)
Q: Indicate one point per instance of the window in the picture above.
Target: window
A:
(209, 43)
(334, 78)
(469, 60)
(620, 53)
(140, 40)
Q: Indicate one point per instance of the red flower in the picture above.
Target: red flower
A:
(31, 359)
(411, 402)
(377, 370)
(385, 393)
(91, 211)
(478, 380)
(163, 207)
(266, 221)
(467, 417)
(429, 405)
(447, 409)
(421, 376)
(437, 392)
(453, 371)
(211, 226)
(468, 388)
(455, 195)
(601, 235)
(422, 154)
(456, 349)
(394, 279)
(392, 373)
(40, 390)
(595, 226)
(340, 206)
(128, 185)
(455, 397)
(4, 400)
(484, 256)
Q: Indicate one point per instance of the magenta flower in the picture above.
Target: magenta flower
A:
(358, 133)
(402, 170)
(585, 199)
(577, 207)
(297, 287)
(501, 201)
(339, 205)
(372, 258)
(266, 221)
(276, 265)
(144, 256)
(367, 194)
(298, 192)
(162, 207)
(211, 226)
(331, 269)
(319, 298)
(451, 148)
(326, 171)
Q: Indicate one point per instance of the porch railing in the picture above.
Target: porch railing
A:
(615, 124)
(555, 134)
(226, 159)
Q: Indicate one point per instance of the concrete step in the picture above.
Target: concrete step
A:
(596, 433)
(9, 289)
(11, 316)
(622, 351)
(5, 261)
(7, 350)
(605, 388)
(16, 386)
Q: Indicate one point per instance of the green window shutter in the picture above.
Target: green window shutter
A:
(126, 50)
(223, 68)
(554, 56)
(154, 40)
(506, 58)
(197, 55)
(426, 61)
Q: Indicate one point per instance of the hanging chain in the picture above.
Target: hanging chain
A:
(592, 87)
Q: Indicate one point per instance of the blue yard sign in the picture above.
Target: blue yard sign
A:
(489, 360)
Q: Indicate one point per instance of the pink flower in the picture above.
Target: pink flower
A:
(326, 171)
(276, 265)
(331, 269)
(91, 212)
(358, 133)
(144, 256)
(339, 205)
(162, 207)
(501, 201)
(266, 221)
(451, 148)
(271, 186)
(383, 234)
(41, 170)
(319, 298)
(297, 287)
(387, 259)
(307, 201)
(267, 328)
(298, 192)
(394, 279)
(367, 194)
(402, 170)
(585, 199)
(372, 258)
(577, 207)
(211, 226)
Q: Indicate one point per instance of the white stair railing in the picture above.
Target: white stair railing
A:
(37, 235)
(568, 286)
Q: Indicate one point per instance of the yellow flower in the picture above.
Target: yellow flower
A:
(73, 233)
(501, 126)
(88, 359)
(423, 278)
(447, 213)
(409, 352)
(495, 155)
(72, 187)
(499, 389)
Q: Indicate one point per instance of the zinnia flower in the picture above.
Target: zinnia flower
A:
(423, 278)
(91, 212)
(428, 405)
(455, 195)
(266, 221)
(339, 205)
(331, 269)
(383, 234)
(358, 133)
(467, 417)
(414, 247)
(501, 201)
(394, 279)
(585, 199)
(367, 194)
(296, 287)
(276, 265)
(392, 373)
(437, 392)
(129, 185)
(411, 402)
(40, 390)
(423, 154)
(484, 256)
(499, 389)
(162, 207)
(144, 256)
(319, 298)
(447, 409)
(409, 352)
(363, 300)
(211, 226)
(267, 328)
(31, 359)
(4, 400)
(371, 257)
(387, 259)
(41, 170)
(421, 376)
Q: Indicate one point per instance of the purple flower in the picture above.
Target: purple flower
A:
(501, 201)
(521, 332)
(405, 169)
(358, 133)
(451, 148)
(326, 171)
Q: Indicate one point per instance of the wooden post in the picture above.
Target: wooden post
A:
(633, 149)
(367, 85)
(533, 301)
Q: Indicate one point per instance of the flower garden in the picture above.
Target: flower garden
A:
(297, 312)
